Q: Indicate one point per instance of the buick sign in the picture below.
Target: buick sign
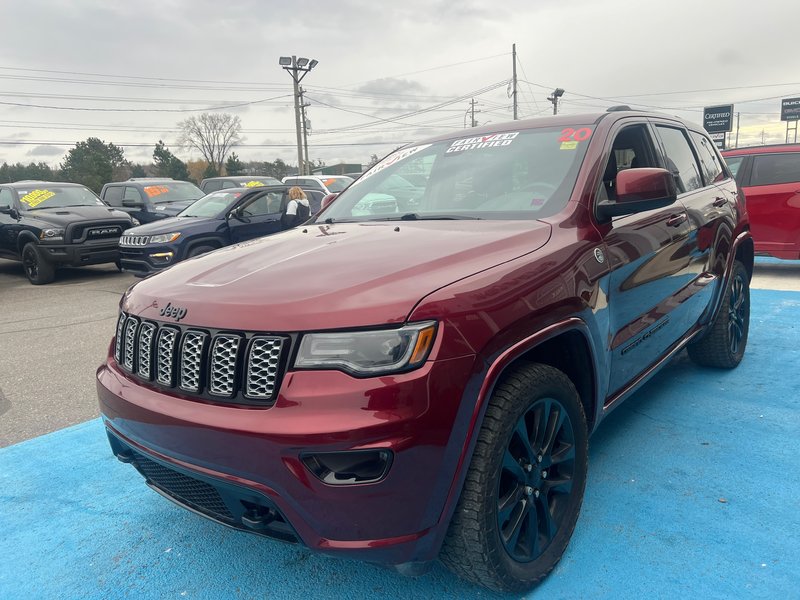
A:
(718, 119)
(790, 109)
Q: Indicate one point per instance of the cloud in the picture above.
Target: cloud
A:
(46, 151)
(391, 86)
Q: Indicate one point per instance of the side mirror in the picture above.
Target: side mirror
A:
(326, 201)
(132, 203)
(9, 210)
(639, 190)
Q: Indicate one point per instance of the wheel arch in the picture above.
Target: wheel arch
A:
(214, 242)
(24, 238)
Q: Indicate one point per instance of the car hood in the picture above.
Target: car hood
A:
(172, 208)
(331, 276)
(64, 216)
(170, 225)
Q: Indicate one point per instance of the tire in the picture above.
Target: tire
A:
(198, 250)
(724, 344)
(38, 269)
(489, 541)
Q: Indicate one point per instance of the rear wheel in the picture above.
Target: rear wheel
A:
(524, 487)
(37, 267)
(724, 344)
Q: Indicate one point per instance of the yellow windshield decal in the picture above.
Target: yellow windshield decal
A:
(36, 197)
(253, 184)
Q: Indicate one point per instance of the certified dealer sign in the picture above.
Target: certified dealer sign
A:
(718, 119)
(790, 109)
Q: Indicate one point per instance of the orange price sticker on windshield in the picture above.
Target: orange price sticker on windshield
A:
(155, 190)
(36, 197)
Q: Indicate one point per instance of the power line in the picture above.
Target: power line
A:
(169, 110)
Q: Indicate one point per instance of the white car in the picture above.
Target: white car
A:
(330, 184)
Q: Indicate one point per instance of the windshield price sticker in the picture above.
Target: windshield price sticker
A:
(390, 160)
(486, 141)
(253, 184)
(155, 190)
(36, 197)
(570, 137)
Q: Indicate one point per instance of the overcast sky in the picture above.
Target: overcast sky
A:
(128, 72)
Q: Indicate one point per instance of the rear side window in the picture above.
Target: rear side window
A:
(712, 168)
(114, 195)
(212, 186)
(770, 169)
(680, 159)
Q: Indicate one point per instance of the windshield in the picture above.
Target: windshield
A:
(337, 184)
(513, 175)
(215, 204)
(172, 191)
(55, 196)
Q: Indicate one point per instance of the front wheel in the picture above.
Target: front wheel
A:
(724, 344)
(524, 488)
(37, 267)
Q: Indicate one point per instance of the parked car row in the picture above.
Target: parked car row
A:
(50, 224)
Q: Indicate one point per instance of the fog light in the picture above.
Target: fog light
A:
(162, 256)
(349, 468)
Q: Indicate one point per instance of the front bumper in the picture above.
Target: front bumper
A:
(252, 456)
(87, 253)
(145, 260)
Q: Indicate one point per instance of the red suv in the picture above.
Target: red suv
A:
(770, 178)
(399, 380)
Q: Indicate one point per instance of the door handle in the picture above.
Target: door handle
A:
(676, 220)
(720, 201)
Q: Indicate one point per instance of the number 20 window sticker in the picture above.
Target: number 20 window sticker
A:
(570, 137)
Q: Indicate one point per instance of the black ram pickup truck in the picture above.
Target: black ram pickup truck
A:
(46, 225)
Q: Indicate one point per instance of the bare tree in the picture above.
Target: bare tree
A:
(212, 134)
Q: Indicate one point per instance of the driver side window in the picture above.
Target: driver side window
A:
(632, 149)
(6, 198)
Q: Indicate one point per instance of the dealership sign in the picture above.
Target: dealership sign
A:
(790, 109)
(718, 119)
(719, 140)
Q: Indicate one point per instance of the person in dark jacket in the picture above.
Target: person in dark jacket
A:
(297, 210)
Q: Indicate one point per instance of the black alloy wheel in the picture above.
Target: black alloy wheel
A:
(536, 480)
(524, 487)
(738, 312)
(38, 270)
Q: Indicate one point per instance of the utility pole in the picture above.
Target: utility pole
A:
(472, 111)
(514, 78)
(557, 93)
(736, 143)
(295, 66)
(303, 104)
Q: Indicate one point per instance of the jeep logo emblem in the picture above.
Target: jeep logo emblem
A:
(174, 312)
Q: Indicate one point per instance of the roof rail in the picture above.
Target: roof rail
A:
(618, 108)
(150, 178)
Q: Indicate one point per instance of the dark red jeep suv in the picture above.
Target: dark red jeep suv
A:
(406, 378)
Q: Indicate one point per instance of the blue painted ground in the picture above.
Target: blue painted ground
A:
(694, 490)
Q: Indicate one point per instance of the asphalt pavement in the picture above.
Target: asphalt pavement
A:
(52, 338)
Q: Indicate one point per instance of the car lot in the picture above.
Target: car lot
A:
(691, 489)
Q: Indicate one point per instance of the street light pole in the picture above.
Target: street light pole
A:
(303, 105)
(297, 68)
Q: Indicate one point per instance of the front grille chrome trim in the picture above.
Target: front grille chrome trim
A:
(227, 367)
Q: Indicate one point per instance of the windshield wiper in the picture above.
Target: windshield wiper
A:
(418, 217)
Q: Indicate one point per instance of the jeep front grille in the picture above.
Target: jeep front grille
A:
(134, 240)
(222, 366)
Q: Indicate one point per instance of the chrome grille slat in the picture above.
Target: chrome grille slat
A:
(224, 354)
(192, 360)
(145, 350)
(118, 342)
(129, 342)
(134, 240)
(263, 362)
(165, 355)
(222, 366)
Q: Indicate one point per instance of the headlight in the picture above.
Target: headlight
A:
(52, 235)
(367, 353)
(135, 222)
(164, 238)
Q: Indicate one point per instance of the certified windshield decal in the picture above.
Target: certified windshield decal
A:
(485, 141)
(36, 197)
(391, 160)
